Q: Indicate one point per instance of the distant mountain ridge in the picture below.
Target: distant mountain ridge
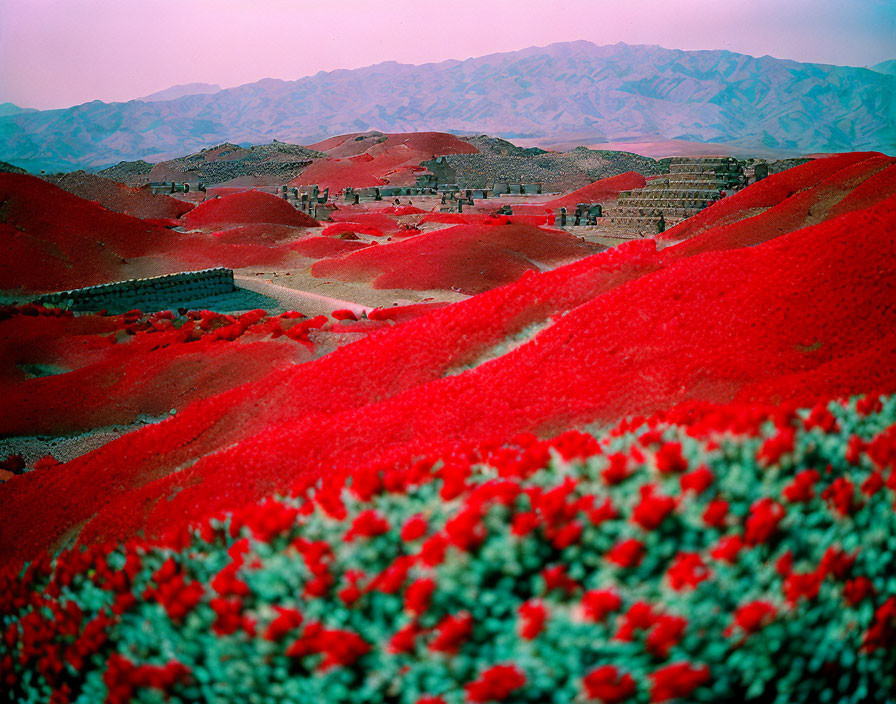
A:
(179, 91)
(888, 67)
(572, 89)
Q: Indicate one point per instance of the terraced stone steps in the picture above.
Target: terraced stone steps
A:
(691, 185)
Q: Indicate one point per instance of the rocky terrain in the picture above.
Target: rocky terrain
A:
(556, 171)
(118, 197)
(375, 158)
(10, 169)
(570, 90)
(268, 164)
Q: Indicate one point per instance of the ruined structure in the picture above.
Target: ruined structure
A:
(692, 185)
(154, 293)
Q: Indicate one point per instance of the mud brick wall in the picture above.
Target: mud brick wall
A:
(155, 293)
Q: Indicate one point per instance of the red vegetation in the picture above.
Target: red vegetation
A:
(600, 191)
(401, 314)
(801, 196)
(257, 234)
(430, 143)
(325, 247)
(53, 240)
(123, 366)
(247, 207)
(468, 258)
(628, 331)
(341, 229)
(375, 159)
(487, 219)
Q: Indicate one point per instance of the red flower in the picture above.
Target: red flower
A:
(857, 590)
(882, 633)
(340, 648)
(556, 578)
(432, 552)
(666, 633)
(418, 595)
(727, 548)
(784, 564)
(639, 617)
(451, 632)
(286, 621)
(775, 447)
(802, 488)
(599, 604)
(574, 445)
(820, 417)
(652, 509)
(392, 579)
(837, 563)
(466, 531)
(628, 553)
(802, 586)
(567, 535)
(405, 639)
(605, 512)
(716, 514)
(873, 483)
(869, 404)
(367, 524)
(855, 448)
(688, 570)
(697, 481)
(228, 615)
(679, 679)
(524, 523)
(414, 528)
(762, 524)
(607, 684)
(495, 684)
(669, 459)
(533, 615)
(751, 617)
(841, 496)
(617, 471)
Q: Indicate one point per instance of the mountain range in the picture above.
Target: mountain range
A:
(571, 90)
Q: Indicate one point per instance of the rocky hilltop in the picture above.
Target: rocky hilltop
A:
(264, 164)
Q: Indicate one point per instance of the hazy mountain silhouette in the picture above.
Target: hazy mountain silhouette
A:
(572, 89)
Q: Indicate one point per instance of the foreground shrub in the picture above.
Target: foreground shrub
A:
(736, 555)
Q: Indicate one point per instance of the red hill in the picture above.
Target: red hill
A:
(807, 197)
(247, 207)
(626, 331)
(765, 194)
(600, 191)
(139, 202)
(467, 258)
(375, 159)
(430, 143)
(53, 240)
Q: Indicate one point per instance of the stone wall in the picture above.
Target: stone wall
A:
(156, 293)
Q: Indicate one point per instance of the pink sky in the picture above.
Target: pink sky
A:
(56, 53)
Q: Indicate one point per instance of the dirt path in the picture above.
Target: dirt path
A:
(294, 299)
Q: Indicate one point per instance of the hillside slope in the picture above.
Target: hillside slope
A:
(796, 316)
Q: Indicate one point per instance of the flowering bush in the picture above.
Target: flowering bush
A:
(736, 555)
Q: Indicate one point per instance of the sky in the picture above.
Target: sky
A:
(58, 53)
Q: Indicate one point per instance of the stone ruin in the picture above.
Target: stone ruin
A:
(153, 293)
(691, 185)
